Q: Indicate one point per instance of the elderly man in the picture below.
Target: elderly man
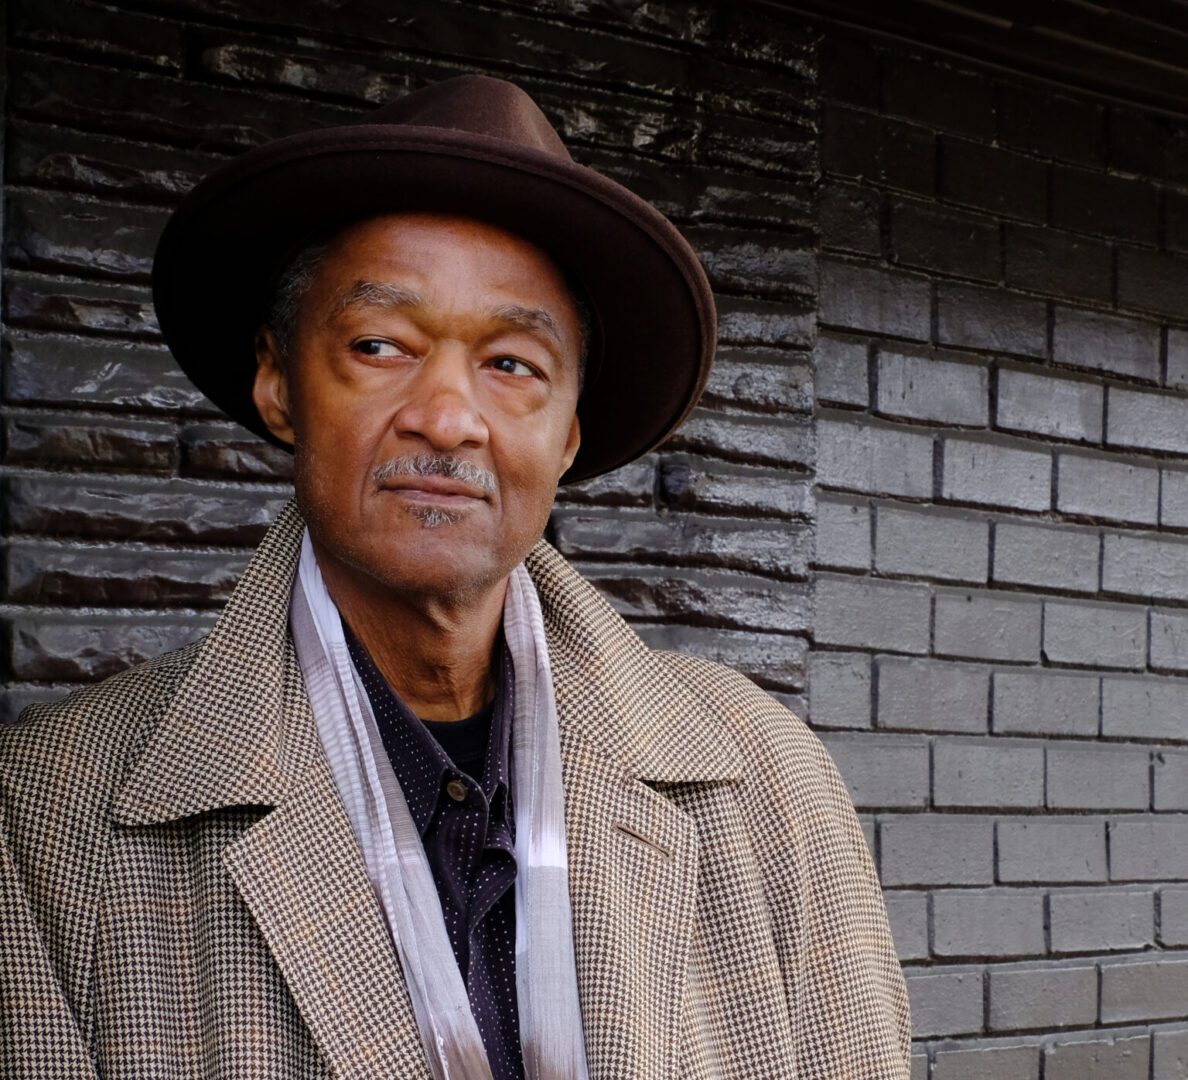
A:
(421, 804)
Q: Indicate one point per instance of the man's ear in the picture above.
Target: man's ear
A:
(270, 391)
(571, 445)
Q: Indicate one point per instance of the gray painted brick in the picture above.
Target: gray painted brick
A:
(889, 615)
(1169, 640)
(882, 771)
(945, 1002)
(1147, 419)
(1102, 488)
(991, 319)
(883, 460)
(1062, 408)
(1097, 920)
(858, 297)
(1149, 849)
(843, 534)
(840, 689)
(1101, 635)
(992, 772)
(991, 922)
(1037, 998)
(1177, 357)
(1144, 707)
(908, 915)
(1142, 566)
(1092, 339)
(1173, 501)
(919, 1066)
(987, 626)
(1051, 849)
(1051, 558)
(1169, 1052)
(1154, 989)
(926, 543)
(840, 370)
(931, 695)
(1045, 703)
(1089, 777)
(994, 475)
(936, 849)
(987, 1063)
(925, 388)
(1170, 779)
(1124, 1057)
(1173, 917)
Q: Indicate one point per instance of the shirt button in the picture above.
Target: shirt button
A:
(457, 790)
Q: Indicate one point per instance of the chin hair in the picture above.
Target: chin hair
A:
(433, 517)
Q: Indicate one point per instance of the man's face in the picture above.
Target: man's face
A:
(430, 393)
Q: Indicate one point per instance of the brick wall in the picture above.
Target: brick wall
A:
(991, 617)
(1001, 570)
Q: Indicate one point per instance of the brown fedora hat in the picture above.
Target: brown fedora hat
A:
(471, 145)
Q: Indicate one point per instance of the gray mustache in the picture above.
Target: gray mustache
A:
(445, 465)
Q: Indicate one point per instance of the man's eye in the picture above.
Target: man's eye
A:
(376, 347)
(511, 366)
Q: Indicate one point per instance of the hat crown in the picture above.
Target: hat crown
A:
(478, 104)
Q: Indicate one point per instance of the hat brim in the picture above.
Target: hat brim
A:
(218, 255)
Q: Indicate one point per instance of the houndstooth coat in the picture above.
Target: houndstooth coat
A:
(181, 895)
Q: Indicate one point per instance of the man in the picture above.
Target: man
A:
(421, 804)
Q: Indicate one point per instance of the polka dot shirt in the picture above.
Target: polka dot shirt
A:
(456, 778)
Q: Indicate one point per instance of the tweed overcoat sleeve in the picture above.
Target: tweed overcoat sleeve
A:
(181, 896)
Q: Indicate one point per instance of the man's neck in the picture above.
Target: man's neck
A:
(438, 657)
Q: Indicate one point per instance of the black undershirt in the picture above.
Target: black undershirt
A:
(465, 741)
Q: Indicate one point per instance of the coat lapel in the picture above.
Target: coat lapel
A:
(238, 732)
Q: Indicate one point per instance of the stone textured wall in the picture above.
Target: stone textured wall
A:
(1001, 630)
(988, 436)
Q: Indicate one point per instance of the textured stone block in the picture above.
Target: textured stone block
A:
(1088, 777)
(857, 297)
(842, 370)
(1150, 420)
(882, 771)
(880, 460)
(1051, 849)
(1144, 708)
(923, 387)
(945, 1002)
(774, 661)
(41, 302)
(780, 441)
(695, 485)
(1143, 990)
(936, 849)
(1045, 703)
(1145, 566)
(1121, 1057)
(840, 689)
(932, 695)
(843, 534)
(1038, 404)
(923, 543)
(1061, 558)
(991, 319)
(1103, 488)
(1101, 342)
(787, 324)
(983, 773)
(761, 380)
(1097, 635)
(989, 473)
(1149, 848)
(228, 451)
(849, 219)
(872, 614)
(881, 150)
(987, 922)
(1036, 998)
(1099, 920)
(987, 626)
(64, 440)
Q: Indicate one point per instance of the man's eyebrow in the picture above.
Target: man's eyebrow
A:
(527, 318)
(376, 294)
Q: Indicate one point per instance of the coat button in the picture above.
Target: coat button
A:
(456, 790)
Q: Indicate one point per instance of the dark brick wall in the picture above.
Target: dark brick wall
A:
(1002, 566)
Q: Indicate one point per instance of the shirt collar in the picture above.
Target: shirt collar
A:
(422, 767)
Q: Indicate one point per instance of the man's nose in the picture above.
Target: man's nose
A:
(439, 403)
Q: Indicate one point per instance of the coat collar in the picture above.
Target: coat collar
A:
(226, 739)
